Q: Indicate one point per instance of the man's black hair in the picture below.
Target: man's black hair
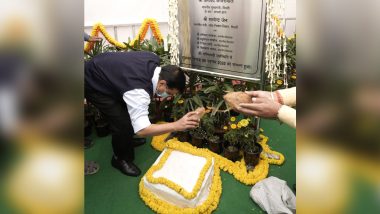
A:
(174, 77)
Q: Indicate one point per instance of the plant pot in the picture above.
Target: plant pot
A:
(231, 153)
(215, 146)
(234, 113)
(196, 141)
(183, 136)
(87, 128)
(102, 128)
(220, 132)
(252, 156)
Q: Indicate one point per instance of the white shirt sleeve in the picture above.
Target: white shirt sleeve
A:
(138, 101)
(288, 115)
(289, 96)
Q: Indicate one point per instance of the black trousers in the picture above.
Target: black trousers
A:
(116, 113)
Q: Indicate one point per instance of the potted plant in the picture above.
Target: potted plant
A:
(213, 140)
(247, 137)
(197, 137)
(231, 150)
(248, 140)
(215, 144)
(252, 151)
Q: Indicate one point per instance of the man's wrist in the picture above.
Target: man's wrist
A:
(174, 126)
(279, 98)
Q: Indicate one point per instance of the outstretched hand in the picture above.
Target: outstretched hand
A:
(189, 121)
(261, 107)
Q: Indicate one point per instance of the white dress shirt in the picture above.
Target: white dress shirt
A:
(138, 101)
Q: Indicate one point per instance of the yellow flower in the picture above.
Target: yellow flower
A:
(238, 125)
(279, 82)
(232, 119)
(244, 123)
(293, 77)
(180, 101)
(233, 126)
(261, 130)
(225, 127)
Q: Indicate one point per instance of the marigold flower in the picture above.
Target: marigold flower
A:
(244, 123)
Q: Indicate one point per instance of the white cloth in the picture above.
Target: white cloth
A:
(138, 101)
(274, 196)
(183, 169)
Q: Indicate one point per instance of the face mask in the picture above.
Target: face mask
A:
(162, 95)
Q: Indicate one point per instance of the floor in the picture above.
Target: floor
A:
(109, 191)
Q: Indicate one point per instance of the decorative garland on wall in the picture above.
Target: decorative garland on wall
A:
(173, 32)
(147, 23)
(275, 44)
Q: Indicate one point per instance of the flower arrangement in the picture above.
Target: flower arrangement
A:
(99, 27)
(174, 186)
(239, 131)
(238, 168)
(148, 22)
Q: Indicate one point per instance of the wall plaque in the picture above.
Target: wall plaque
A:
(222, 36)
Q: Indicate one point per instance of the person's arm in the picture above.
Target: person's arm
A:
(287, 115)
(86, 37)
(138, 101)
(265, 107)
(287, 96)
(89, 38)
(186, 122)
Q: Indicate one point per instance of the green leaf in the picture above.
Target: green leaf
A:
(217, 107)
(210, 89)
(198, 100)
(228, 87)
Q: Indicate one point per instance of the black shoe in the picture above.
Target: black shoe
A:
(138, 142)
(126, 167)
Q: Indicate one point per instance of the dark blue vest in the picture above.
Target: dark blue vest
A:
(114, 73)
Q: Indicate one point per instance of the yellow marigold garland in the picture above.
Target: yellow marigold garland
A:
(180, 190)
(149, 22)
(152, 23)
(267, 149)
(160, 206)
(237, 169)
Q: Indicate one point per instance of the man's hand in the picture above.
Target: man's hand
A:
(261, 107)
(189, 121)
(262, 94)
(94, 39)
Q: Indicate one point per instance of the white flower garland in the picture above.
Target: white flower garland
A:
(173, 32)
(275, 43)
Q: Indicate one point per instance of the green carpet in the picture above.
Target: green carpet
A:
(109, 191)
